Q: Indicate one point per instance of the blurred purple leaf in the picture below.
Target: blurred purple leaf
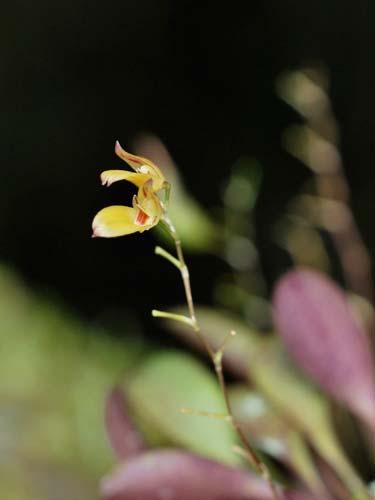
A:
(125, 439)
(318, 327)
(178, 475)
(305, 408)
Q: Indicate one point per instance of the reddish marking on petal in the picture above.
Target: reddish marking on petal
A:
(142, 218)
(95, 232)
(134, 159)
(120, 151)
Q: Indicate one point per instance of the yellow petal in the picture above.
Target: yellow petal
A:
(148, 201)
(142, 166)
(116, 221)
(108, 177)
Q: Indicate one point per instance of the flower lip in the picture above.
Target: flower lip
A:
(116, 221)
(141, 218)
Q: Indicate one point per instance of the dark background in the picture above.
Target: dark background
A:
(200, 75)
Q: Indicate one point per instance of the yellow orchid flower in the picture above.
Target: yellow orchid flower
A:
(144, 170)
(147, 209)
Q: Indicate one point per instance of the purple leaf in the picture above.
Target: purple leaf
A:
(317, 325)
(125, 439)
(178, 475)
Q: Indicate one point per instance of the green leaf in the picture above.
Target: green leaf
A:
(170, 381)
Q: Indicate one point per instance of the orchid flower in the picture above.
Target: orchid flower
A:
(147, 208)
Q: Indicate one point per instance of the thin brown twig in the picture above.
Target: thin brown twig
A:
(249, 452)
(216, 358)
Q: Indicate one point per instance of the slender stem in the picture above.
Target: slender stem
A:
(249, 452)
(186, 281)
(163, 253)
(177, 317)
(210, 414)
(216, 358)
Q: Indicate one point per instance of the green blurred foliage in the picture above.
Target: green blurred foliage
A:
(169, 382)
(54, 375)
